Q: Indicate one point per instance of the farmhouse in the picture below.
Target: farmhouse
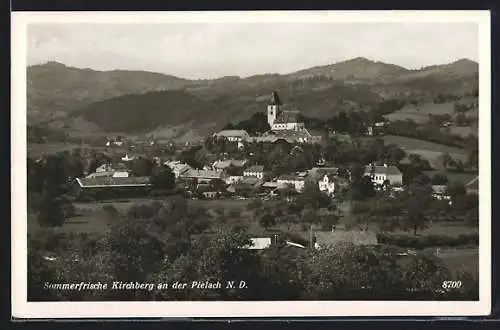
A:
(255, 171)
(379, 174)
(233, 135)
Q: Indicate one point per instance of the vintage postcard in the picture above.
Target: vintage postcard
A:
(251, 164)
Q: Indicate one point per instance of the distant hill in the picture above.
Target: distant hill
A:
(54, 89)
(137, 101)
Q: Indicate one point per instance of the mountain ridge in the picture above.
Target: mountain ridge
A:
(103, 98)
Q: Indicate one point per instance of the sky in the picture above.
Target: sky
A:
(203, 50)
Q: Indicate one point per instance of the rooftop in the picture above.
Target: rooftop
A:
(288, 117)
(205, 174)
(113, 182)
(232, 133)
(377, 169)
(255, 168)
(288, 177)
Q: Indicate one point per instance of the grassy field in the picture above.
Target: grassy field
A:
(420, 113)
(428, 150)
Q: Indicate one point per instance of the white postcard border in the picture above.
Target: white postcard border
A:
(23, 309)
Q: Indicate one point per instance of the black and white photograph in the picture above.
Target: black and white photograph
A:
(273, 163)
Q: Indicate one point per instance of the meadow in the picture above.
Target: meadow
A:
(428, 150)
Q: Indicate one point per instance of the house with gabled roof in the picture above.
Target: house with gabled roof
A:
(380, 174)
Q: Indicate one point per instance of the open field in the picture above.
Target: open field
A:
(420, 113)
(428, 150)
(460, 177)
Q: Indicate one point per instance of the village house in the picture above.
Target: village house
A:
(379, 174)
(233, 135)
(297, 182)
(255, 171)
(327, 184)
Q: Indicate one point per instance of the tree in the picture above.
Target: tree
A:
(456, 189)
(312, 197)
(362, 189)
(141, 166)
(439, 179)
(267, 220)
(163, 178)
(50, 211)
(416, 204)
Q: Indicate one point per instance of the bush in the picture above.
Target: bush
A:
(421, 242)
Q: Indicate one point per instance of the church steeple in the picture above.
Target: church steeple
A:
(273, 108)
(275, 99)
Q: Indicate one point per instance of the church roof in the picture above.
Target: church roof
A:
(288, 117)
(275, 99)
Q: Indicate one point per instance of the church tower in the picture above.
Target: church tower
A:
(273, 108)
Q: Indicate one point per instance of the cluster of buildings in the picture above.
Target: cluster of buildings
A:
(108, 175)
(285, 125)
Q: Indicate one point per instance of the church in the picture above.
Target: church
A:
(282, 120)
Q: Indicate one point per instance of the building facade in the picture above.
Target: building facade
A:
(255, 171)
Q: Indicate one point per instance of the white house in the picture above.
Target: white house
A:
(327, 184)
(379, 174)
(255, 171)
(297, 182)
(233, 135)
